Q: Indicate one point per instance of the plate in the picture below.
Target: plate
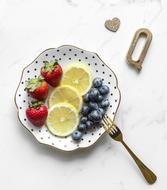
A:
(67, 54)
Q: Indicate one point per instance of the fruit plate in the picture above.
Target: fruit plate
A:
(65, 55)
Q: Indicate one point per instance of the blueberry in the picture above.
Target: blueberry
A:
(105, 103)
(95, 116)
(93, 93)
(83, 120)
(76, 135)
(97, 82)
(104, 90)
(89, 124)
(81, 127)
(90, 117)
(85, 110)
(102, 111)
(86, 98)
(99, 98)
(93, 105)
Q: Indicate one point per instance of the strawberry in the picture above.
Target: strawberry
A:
(38, 88)
(37, 113)
(52, 72)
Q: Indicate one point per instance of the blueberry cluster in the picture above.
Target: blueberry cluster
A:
(93, 109)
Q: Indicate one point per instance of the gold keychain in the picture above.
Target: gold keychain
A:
(139, 33)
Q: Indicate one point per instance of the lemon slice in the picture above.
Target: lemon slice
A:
(66, 94)
(79, 76)
(62, 119)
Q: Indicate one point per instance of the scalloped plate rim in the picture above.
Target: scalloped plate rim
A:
(78, 148)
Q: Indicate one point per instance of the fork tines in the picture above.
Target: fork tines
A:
(109, 125)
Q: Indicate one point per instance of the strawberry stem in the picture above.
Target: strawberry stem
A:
(34, 83)
(35, 104)
(50, 66)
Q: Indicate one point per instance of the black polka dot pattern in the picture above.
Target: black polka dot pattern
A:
(66, 55)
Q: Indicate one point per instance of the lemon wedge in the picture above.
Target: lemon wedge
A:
(78, 76)
(66, 94)
(62, 119)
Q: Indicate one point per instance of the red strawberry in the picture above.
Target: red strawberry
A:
(38, 88)
(37, 113)
(52, 72)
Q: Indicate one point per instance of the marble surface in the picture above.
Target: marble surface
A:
(28, 27)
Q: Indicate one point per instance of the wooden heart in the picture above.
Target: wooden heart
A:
(112, 25)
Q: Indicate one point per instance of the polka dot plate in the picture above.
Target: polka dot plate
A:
(66, 54)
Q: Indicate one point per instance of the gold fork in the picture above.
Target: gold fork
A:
(116, 134)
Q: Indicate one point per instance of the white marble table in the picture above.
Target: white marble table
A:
(28, 27)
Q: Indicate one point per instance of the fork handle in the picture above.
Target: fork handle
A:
(147, 173)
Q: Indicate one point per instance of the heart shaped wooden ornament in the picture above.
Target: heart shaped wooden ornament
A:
(112, 25)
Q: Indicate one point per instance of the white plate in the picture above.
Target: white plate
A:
(67, 54)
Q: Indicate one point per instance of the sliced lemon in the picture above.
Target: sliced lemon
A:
(62, 119)
(79, 76)
(66, 94)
